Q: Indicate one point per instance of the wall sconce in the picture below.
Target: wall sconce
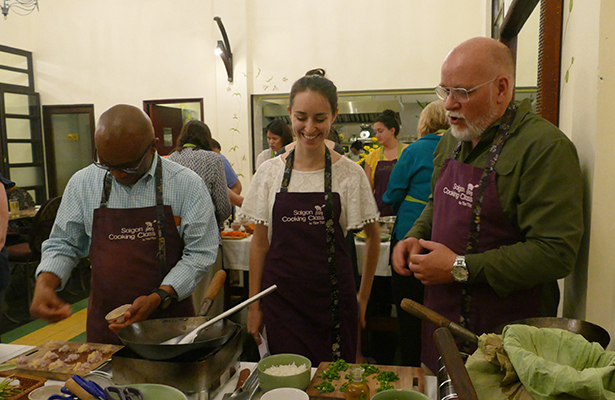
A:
(19, 7)
(223, 49)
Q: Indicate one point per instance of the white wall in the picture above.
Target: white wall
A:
(110, 52)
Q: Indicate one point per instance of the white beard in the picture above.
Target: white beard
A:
(474, 129)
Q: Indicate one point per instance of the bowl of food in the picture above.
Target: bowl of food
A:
(399, 394)
(284, 371)
(117, 316)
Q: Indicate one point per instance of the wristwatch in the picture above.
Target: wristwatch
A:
(460, 269)
(165, 298)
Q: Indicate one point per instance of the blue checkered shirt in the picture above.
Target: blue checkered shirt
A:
(183, 190)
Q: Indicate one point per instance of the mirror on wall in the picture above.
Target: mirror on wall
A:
(357, 113)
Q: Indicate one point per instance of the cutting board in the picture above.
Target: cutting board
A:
(409, 378)
(76, 359)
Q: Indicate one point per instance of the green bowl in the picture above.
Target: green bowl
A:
(299, 381)
(399, 394)
(154, 391)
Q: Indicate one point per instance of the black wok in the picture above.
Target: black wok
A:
(145, 338)
(590, 331)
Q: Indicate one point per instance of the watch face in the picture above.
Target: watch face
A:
(165, 303)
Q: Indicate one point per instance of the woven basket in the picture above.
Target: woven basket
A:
(27, 384)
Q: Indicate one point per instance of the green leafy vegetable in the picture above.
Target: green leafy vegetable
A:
(325, 387)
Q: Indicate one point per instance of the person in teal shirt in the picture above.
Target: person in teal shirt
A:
(407, 193)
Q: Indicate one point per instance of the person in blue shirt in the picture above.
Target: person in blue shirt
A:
(407, 193)
(232, 180)
(146, 223)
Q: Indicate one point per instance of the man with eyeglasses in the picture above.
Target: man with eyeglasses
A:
(146, 223)
(505, 218)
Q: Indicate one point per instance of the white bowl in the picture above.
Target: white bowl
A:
(285, 394)
(117, 316)
(44, 392)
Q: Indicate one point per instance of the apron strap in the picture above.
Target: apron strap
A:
(330, 237)
(474, 231)
(399, 151)
(413, 200)
(162, 250)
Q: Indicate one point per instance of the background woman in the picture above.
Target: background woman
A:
(380, 162)
(303, 202)
(278, 136)
(193, 150)
(407, 193)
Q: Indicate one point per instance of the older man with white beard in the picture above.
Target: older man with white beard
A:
(505, 218)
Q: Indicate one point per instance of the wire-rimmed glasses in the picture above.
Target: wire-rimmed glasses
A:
(459, 94)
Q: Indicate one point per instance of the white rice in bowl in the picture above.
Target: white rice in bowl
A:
(286, 370)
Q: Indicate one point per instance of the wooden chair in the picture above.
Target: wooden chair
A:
(27, 256)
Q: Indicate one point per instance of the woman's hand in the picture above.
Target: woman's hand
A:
(255, 322)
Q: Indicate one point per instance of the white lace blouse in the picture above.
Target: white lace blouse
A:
(348, 179)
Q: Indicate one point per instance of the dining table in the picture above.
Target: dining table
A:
(236, 255)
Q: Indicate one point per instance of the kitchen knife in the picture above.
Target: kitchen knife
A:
(217, 282)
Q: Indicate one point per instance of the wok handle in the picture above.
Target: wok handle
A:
(216, 284)
(454, 364)
(426, 314)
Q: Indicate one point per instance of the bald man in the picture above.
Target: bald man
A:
(505, 218)
(147, 224)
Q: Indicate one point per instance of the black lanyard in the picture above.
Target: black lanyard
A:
(330, 237)
(162, 251)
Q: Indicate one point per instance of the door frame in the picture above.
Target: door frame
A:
(48, 112)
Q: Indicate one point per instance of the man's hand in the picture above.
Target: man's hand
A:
(45, 303)
(255, 321)
(139, 311)
(402, 252)
(435, 267)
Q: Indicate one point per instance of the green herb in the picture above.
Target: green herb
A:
(384, 386)
(339, 365)
(329, 375)
(7, 390)
(325, 387)
(369, 369)
(343, 387)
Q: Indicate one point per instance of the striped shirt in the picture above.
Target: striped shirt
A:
(183, 190)
(208, 165)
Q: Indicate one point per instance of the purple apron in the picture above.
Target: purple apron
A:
(454, 195)
(382, 173)
(125, 263)
(299, 315)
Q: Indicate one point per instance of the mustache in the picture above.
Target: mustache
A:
(455, 114)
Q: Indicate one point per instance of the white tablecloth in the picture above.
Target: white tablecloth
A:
(236, 255)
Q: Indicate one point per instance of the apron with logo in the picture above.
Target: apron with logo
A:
(314, 311)
(128, 254)
(382, 173)
(468, 218)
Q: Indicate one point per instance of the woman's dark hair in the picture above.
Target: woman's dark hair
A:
(196, 133)
(357, 145)
(315, 81)
(215, 144)
(281, 129)
(389, 119)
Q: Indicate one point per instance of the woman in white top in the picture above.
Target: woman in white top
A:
(278, 136)
(303, 203)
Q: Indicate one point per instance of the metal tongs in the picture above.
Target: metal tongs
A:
(247, 390)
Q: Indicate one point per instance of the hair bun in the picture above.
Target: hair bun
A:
(316, 71)
(390, 113)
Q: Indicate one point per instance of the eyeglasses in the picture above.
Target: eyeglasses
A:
(126, 170)
(460, 94)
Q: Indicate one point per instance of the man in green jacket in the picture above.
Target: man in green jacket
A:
(505, 218)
